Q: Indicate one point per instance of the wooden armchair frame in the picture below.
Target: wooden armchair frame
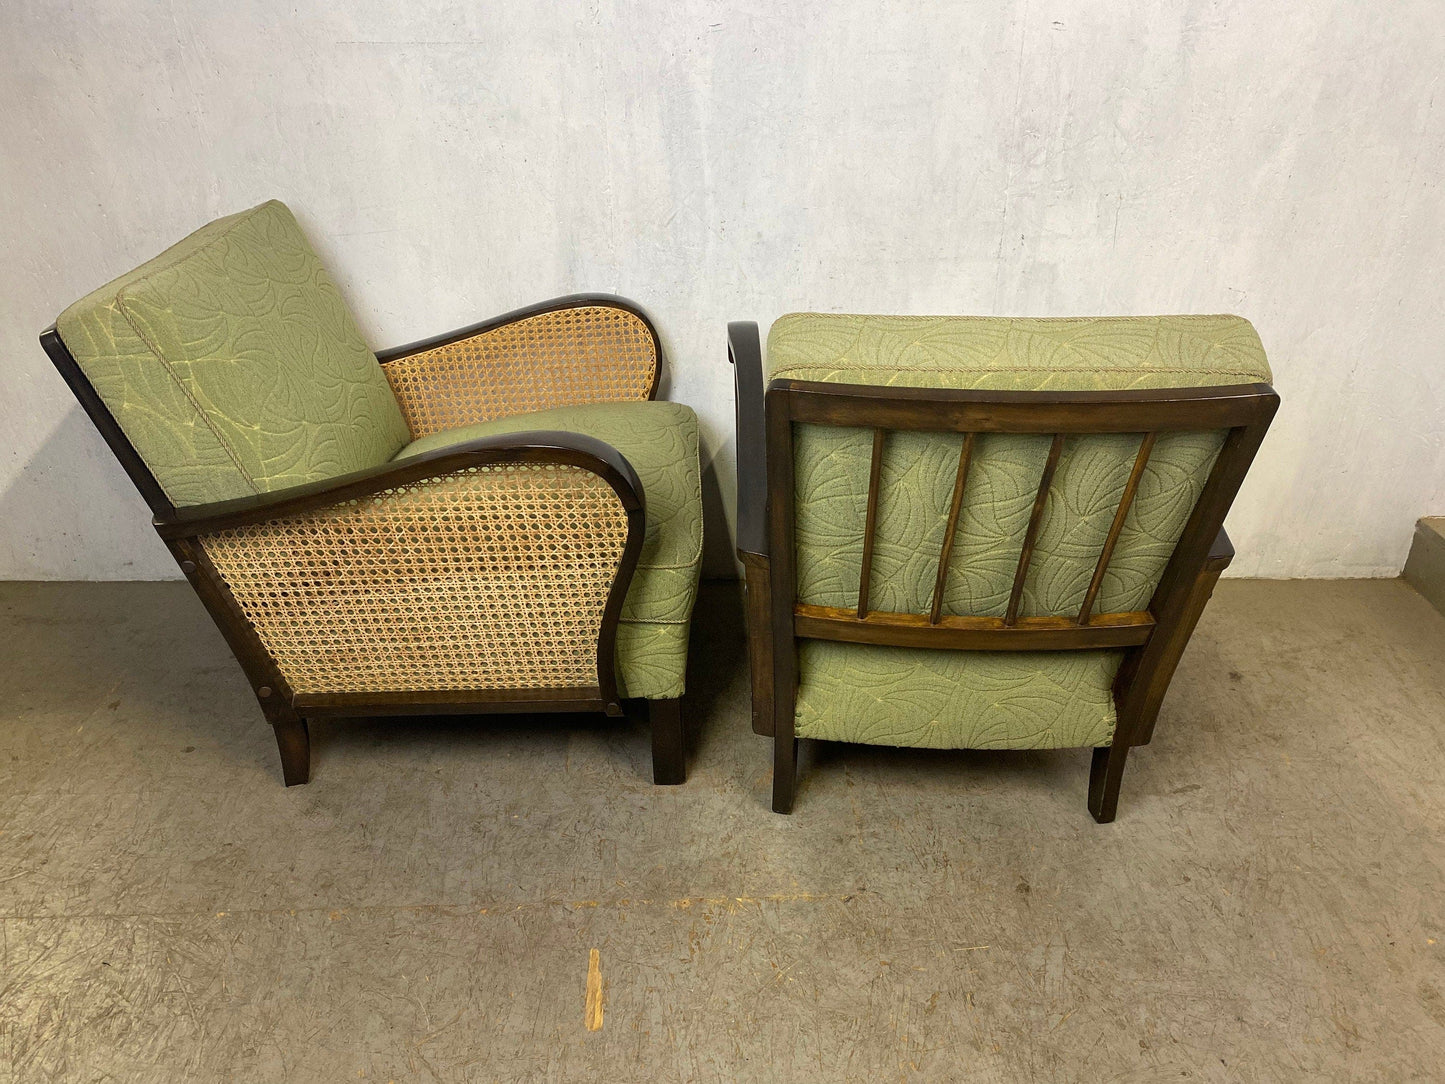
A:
(190, 533)
(1153, 639)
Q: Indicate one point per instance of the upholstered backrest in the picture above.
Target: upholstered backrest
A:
(832, 465)
(232, 364)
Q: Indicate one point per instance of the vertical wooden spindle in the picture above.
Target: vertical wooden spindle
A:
(964, 455)
(1031, 534)
(1130, 489)
(875, 471)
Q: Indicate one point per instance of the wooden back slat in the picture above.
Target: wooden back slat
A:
(870, 524)
(1130, 488)
(1031, 534)
(1243, 411)
(964, 455)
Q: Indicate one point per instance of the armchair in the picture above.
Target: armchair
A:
(498, 519)
(984, 533)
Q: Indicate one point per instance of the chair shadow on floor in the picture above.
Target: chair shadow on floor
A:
(716, 654)
(825, 765)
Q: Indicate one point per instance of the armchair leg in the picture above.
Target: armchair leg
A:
(785, 770)
(294, 741)
(1105, 774)
(669, 756)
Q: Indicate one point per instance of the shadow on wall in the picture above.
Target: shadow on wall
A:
(72, 514)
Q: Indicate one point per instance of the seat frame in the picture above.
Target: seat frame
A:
(1153, 640)
(183, 529)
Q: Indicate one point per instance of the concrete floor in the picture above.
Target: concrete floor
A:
(1270, 904)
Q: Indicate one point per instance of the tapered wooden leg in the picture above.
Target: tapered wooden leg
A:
(294, 741)
(669, 757)
(1105, 775)
(760, 639)
(785, 770)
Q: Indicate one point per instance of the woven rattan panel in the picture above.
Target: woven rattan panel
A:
(492, 578)
(593, 354)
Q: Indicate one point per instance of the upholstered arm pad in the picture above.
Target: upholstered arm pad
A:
(584, 348)
(501, 564)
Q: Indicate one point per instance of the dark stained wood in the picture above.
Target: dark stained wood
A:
(293, 741)
(745, 353)
(1144, 676)
(183, 530)
(1221, 553)
(1031, 533)
(669, 754)
(940, 410)
(955, 503)
(568, 301)
(535, 447)
(972, 633)
(1106, 771)
(452, 702)
(1174, 645)
(1152, 641)
(870, 523)
(785, 771)
(256, 662)
(1131, 487)
(784, 588)
(756, 586)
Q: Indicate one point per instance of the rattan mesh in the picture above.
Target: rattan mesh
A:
(591, 354)
(491, 578)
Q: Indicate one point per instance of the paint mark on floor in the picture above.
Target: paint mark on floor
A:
(594, 991)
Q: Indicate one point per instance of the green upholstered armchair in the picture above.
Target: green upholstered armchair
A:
(973, 533)
(496, 519)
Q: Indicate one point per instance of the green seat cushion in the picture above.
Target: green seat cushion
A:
(232, 364)
(918, 471)
(955, 699)
(660, 440)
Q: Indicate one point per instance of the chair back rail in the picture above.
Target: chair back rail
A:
(1244, 411)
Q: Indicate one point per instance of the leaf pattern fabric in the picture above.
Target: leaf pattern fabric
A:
(233, 365)
(897, 696)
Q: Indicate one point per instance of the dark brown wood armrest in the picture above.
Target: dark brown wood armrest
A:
(745, 353)
(1221, 552)
(567, 301)
(536, 447)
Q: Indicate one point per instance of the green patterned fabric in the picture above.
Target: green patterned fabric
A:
(660, 440)
(844, 693)
(233, 365)
(955, 699)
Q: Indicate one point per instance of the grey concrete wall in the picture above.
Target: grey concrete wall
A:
(722, 161)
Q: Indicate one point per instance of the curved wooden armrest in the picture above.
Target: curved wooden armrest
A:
(1221, 552)
(539, 308)
(573, 449)
(745, 353)
(582, 348)
(499, 564)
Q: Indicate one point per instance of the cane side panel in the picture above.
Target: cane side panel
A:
(491, 578)
(588, 354)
